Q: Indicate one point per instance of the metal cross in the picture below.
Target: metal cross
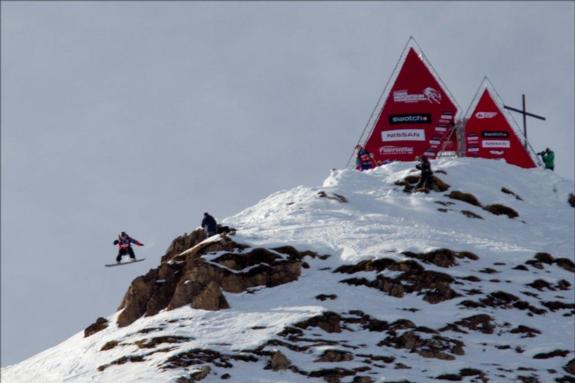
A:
(525, 114)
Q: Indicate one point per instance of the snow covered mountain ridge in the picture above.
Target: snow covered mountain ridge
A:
(353, 281)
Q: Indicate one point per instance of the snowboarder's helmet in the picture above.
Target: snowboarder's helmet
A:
(123, 234)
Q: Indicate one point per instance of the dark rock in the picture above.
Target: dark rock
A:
(479, 322)
(184, 242)
(544, 258)
(324, 297)
(566, 264)
(327, 321)
(507, 191)
(122, 360)
(333, 196)
(571, 199)
(540, 285)
(521, 267)
(465, 197)
(331, 375)
(552, 354)
(154, 342)
(438, 347)
(99, 325)
(109, 345)
(470, 214)
(570, 367)
(499, 209)
(278, 362)
(528, 331)
(335, 356)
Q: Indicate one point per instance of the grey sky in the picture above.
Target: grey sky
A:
(140, 116)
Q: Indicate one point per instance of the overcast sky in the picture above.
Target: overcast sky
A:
(140, 116)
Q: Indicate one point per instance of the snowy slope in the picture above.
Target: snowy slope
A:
(378, 221)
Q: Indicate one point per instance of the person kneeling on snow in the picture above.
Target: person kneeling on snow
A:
(364, 159)
(426, 173)
(209, 225)
(124, 243)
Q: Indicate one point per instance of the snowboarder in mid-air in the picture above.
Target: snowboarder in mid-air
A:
(426, 174)
(364, 159)
(209, 225)
(124, 243)
(548, 157)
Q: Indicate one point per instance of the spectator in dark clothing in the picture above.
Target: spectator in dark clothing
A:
(426, 173)
(209, 225)
(364, 159)
(124, 243)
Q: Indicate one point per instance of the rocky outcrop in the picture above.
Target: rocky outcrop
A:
(99, 325)
(190, 277)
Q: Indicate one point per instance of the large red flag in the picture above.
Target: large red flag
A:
(490, 132)
(417, 114)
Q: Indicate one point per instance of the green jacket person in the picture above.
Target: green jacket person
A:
(548, 158)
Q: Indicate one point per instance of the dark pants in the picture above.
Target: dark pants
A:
(424, 180)
(126, 251)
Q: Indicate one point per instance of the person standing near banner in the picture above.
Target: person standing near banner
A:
(548, 157)
(365, 159)
(426, 174)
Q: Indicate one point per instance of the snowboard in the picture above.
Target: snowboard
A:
(125, 263)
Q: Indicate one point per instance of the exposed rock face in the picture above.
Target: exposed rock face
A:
(278, 362)
(99, 325)
(187, 277)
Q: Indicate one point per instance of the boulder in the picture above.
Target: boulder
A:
(99, 325)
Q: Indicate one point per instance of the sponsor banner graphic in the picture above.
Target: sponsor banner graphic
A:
(435, 140)
(495, 144)
(429, 94)
(445, 122)
(471, 150)
(494, 134)
(403, 135)
(441, 129)
(396, 150)
(420, 118)
(429, 153)
(497, 152)
(446, 116)
(473, 137)
(484, 115)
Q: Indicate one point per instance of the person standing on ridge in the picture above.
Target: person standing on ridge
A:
(364, 159)
(209, 225)
(548, 157)
(124, 243)
(426, 173)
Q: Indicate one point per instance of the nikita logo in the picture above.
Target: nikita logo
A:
(410, 119)
(429, 94)
(482, 115)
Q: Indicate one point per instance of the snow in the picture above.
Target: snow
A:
(380, 220)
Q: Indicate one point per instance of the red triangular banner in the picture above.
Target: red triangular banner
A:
(491, 133)
(417, 114)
